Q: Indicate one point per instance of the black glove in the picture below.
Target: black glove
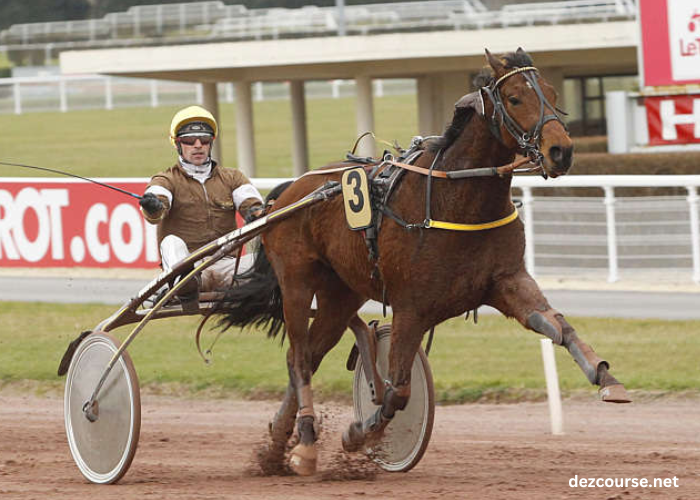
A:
(254, 212)
(150, 203)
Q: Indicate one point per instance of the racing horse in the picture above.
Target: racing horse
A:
(426, 272)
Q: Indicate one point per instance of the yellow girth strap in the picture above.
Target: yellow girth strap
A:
(473, 227)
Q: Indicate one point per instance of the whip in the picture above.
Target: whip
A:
(71, 175)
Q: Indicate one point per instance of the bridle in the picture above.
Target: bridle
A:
(528, 140)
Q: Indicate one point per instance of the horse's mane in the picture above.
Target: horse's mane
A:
(484, 78)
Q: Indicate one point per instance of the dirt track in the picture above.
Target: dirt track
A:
(204, 449)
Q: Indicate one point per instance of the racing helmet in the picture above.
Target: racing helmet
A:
(192, 119)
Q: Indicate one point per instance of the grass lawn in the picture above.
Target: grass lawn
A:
(494, 360)
(134, 142)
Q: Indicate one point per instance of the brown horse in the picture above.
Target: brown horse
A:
(427, 275)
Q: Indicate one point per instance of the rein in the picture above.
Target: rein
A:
(470, 172)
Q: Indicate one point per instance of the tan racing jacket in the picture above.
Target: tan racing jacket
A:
(200, 212)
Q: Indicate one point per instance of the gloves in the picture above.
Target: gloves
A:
(150, 203)
(254, 212)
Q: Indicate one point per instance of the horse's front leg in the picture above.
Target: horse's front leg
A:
(406, 337)
(296, 314)
(520, 297)
(337, 304)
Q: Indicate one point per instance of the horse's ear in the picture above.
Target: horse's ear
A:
(495, 63)
(474, 101)
(520, 52)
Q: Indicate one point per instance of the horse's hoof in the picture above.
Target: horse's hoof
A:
(353, 438)
(302, 459)
(615, 393)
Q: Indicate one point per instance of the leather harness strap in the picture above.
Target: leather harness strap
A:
(442, 174)
(460, 174)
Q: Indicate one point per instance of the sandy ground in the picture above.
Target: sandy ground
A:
(206, 448)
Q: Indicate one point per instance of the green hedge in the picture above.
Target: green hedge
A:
(592, 144)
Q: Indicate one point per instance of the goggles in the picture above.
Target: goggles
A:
(190, 140)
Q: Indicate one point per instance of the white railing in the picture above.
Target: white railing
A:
(614, 233)
(613, 236)
(558, 12)
(649, 239)
(214, 19)
(65, 93)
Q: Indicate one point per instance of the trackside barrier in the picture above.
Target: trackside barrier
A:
(656, 233)
(49, 222)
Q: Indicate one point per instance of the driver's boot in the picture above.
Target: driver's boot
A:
(189, 295)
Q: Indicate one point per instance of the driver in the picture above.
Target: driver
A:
(195, 201)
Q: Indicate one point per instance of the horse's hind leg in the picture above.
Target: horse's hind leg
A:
(322, 339)
(406, 336)
(520, 297)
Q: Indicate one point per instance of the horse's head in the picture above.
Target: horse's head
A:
(520, 107)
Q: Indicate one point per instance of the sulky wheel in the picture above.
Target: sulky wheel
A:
(102, 449)
(407, 436)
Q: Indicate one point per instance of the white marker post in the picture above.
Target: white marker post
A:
(553, 396)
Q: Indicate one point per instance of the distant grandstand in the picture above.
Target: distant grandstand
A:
(179, 23)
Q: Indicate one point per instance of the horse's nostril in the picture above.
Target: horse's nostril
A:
(556, 154)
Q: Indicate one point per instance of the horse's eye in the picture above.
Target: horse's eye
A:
(514, 100)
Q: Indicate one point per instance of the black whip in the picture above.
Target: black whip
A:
(71, 175)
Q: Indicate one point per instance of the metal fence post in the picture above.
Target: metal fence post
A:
(529, 231)
(378, 88)
(17, 96)
(159, 19)
(340, 15)
(205, 14)
(109, 98)
(181, 12)
(47, 53)
(62, 95)
(137, 22)
(694, 230)
(154, 93)
(609, 201)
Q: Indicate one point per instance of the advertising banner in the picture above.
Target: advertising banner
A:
(670, 42)
(673, 119)
(66, 223)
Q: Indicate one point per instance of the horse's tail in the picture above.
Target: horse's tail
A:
(256, 298)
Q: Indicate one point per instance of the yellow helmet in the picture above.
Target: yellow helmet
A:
(189, 115)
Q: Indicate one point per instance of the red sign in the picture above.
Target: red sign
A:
(673, 119)
(670, 48)
(47, 223)
(66, 223)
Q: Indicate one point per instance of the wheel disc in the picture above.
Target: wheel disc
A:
(103, 450)
(406, 437)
